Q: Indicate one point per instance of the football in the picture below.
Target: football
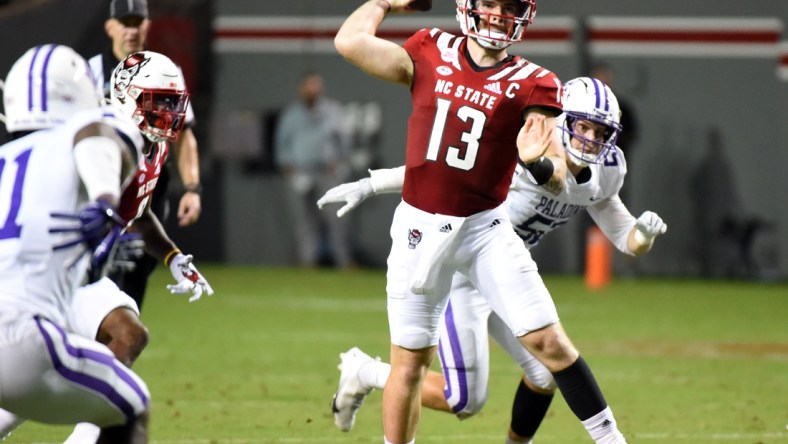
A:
(420, 5)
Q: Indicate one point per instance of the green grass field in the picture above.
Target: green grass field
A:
(679, 361)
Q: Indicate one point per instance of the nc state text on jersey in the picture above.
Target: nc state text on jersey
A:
(148, 187)
(468, 94)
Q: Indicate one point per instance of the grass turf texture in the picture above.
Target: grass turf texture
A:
(679, 361)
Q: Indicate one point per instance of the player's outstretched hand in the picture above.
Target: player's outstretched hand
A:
(649, 225)
(534, 138)
(351, 194)
(99, 228)
(189, 279)
(117, 251)
(90, 225)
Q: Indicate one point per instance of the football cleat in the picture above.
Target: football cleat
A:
(351, 393)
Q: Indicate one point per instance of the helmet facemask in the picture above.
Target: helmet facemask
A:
(470, 17)
(587, 103)
(160, 114)
(591, 151)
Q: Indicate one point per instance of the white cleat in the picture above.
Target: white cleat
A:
(351, 393)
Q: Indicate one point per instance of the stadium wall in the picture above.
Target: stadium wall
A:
(698, 73)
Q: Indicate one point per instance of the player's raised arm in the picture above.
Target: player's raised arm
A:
(353, 193)
(356, 42)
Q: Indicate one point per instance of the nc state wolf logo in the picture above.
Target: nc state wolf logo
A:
(414, 237)
(123, 75)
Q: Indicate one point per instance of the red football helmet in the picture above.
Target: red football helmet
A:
(469, 15)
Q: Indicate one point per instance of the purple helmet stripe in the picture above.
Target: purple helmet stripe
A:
(85, 380)
(607, 97)
(30, 78)
(44, 78)
(600, 90)
(459, 362)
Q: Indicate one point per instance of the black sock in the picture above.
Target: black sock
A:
(580, 390)
(528, 410)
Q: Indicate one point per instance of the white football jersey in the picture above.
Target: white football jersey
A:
(534, 211)
(38, 177)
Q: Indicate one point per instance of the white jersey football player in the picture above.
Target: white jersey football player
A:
(588, 129)
(60, 176)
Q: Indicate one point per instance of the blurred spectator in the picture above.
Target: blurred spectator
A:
(724, 231)
(311, 149)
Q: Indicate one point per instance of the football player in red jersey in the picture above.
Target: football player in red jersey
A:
(149, 88)
(476, 112)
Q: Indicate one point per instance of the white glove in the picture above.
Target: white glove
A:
(648, 226)
(351, 194)
(189, 279)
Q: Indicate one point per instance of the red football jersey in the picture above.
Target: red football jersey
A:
(462, 131)
(138, 192)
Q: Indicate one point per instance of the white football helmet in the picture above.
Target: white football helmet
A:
(46, 86)
(588, 99)
(150, 89)
(469, 16)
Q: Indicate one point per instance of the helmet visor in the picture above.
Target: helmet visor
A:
(164, 112)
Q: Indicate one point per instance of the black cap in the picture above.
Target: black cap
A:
(119, 9)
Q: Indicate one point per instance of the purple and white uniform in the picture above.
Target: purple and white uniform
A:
(534, 212)
(48, 374)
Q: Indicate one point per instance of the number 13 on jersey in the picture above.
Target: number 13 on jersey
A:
(470, 138)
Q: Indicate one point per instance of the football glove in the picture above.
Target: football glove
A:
(94, 222)
(100, 228)
(189, 279)
(351, 194)
(130, 248)
(648, 226)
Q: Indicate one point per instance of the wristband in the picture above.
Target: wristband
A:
(193, 188)
(541, 170)
(170, 256)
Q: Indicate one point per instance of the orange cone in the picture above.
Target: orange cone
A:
(599, 259)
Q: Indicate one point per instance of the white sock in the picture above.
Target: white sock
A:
(374, 374)
(602, 428)
(386, 441)
(8, 422)
(84, 433)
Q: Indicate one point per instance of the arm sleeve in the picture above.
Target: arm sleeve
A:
(615, 220)
(98, 161)
(387, 180)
